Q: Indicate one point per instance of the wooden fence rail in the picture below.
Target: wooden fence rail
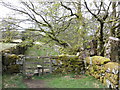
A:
(38, 57)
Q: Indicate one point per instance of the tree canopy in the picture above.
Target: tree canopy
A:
(70, 24)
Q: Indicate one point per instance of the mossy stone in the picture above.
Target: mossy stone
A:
(111, 66)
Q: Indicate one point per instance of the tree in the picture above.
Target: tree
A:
(64, 24)
(48, 20)
(102, 15)
(80, 26)
(59, 22)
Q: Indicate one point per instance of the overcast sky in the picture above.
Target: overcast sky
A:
(4, 11)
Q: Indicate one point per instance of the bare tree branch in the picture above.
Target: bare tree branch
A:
(92, 12)
(37, 13)
(100, 8)
(106, 15)
(72, 14)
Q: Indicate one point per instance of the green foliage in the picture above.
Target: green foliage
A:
(26, 43)
(71, 51)
(13, 81)
(41, 50)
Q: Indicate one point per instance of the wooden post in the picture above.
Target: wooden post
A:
(43, 66)
(23, 65)
(38, 72)
(50, 66)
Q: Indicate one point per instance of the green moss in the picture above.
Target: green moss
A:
(97, 60)
(13, 56)
(6, 51)
(111, 66)
(101, 79)
(111, 79)
(104, 81)
(13, 68)
(70, 63)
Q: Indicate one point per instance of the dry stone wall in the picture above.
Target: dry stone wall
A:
(12, 58)
(67, 64)
(103, 69)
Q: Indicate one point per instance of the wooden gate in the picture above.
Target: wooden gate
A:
(37, 65)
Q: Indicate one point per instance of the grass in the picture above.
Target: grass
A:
(54, 81)
(13, 81)
(69, 81)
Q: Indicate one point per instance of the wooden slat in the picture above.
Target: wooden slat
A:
(30, 68)
(47, 62)
(33, 63)
(51, 66)
(36, 68)
(38, 57)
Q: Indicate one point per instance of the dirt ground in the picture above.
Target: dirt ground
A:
(35, 83)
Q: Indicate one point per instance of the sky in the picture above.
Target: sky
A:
(5, 11)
